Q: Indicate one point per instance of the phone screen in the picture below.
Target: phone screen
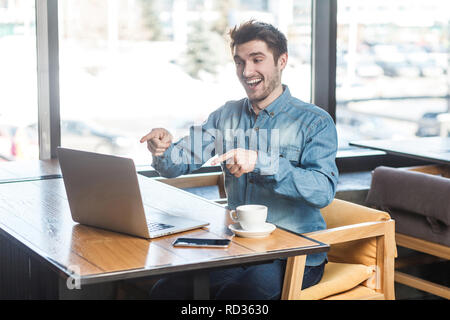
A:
(196, 242)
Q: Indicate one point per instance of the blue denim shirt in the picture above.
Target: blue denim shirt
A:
(295, 174)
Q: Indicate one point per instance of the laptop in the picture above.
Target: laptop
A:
(103, 192)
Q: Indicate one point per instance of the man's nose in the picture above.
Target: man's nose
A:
(248, 70)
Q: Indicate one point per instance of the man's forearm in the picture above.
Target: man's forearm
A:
(166, 167)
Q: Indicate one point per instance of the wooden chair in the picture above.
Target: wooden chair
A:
(359, 236)
(437, 252)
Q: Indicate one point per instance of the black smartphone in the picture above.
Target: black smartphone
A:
(197, 242)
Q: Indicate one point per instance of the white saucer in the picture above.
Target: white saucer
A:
(264, 232)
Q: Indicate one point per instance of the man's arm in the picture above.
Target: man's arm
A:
(186, 155)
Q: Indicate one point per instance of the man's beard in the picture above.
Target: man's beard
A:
(273, 83)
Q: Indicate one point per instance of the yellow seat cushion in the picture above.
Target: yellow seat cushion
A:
(358, 293)
(337, 278)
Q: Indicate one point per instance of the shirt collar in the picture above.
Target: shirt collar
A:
(276, 106)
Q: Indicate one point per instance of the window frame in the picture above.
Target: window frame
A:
(47, 46)
(323, 51)
(323, 81)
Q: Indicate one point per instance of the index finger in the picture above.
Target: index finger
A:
(224, 157)
(147, 137)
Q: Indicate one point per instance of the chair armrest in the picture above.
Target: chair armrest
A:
(350, 232)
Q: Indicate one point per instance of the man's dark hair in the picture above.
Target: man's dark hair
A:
(255, 30)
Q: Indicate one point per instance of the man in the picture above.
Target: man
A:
(276, 150)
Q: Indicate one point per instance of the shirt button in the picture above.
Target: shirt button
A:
(272, 114)
(256, 128)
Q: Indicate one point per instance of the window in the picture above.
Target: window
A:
(393, 77)
(129, 66)
(18, 81)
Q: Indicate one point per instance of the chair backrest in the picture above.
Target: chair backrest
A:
(342, 213)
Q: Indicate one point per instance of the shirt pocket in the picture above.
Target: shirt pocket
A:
(291, 153)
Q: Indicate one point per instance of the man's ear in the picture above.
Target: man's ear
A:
(282, 60)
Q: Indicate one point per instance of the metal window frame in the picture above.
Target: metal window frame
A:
(47, 47)
(323, 55)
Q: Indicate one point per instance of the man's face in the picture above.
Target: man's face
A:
(257, 70)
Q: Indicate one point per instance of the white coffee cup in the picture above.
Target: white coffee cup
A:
(251, 217)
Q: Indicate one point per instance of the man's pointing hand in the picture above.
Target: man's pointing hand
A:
(238, 161)
(158, 141)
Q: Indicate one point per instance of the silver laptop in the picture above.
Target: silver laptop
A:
(103, 191)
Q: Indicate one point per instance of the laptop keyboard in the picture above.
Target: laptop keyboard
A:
(154, 226)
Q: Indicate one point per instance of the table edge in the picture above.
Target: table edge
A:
(402, 154)
(213, 263)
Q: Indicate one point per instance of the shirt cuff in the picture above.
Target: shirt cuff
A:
(163, 161)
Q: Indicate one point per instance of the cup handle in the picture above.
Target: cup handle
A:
(233, 215)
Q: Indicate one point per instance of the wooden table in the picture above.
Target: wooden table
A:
(433, 149)
(29, 170)
(39, 240)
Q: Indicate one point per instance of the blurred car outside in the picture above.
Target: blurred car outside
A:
(6, 142)
(433, 124)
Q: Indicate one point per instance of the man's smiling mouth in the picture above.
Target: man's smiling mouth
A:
(252, 83)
